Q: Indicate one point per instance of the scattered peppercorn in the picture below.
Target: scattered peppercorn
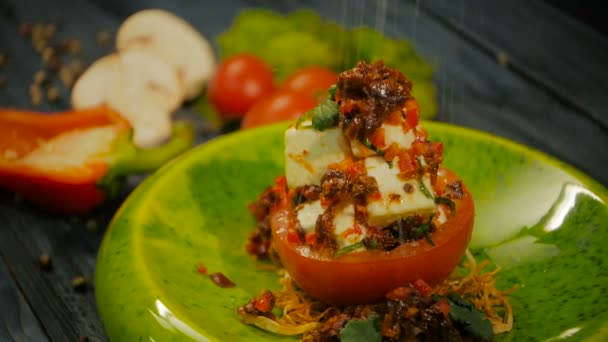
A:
(80, 283)
(35, 95)
(66, 76)
(41, 78)
(52, 94)
(45, 261)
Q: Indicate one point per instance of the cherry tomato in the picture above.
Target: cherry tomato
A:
(239, 82)
(366, 277)
(313, 81)
(278, 106)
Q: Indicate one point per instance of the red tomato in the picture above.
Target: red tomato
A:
(278, 106)
(366, 277)
(313, 81)
(239, 82)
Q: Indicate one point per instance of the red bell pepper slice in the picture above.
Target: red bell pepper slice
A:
(51, 160)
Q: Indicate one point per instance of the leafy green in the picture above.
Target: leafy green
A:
(367, 330)
(302, 38)
(467, 318)
(372, 147)
(348, 249)
(425, 230)
(448, 202)
(325, 115)
(424, 189)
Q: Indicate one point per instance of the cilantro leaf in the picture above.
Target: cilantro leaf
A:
(325, 115)
(367, 330)
(470, 320)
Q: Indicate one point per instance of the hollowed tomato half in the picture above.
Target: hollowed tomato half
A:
(366, 277)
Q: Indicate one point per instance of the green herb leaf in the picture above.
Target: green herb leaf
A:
(332, 92)
(367, 330)
(424, 189)
(348, 249)
(372, 244)
(448, 202)
(372, 147)
(425, 230)
(325, 115)
(470, 320)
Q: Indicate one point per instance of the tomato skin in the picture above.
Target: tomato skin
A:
(312, 81)
(239, 82)
(278, 106)
(366, 277)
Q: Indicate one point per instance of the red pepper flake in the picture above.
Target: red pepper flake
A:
(292, 237)
(201, 269)
(265, 302)
(221, 280)
(443, 306)
(311, 239)
(412, 112)
(399, 293)
(422, 287)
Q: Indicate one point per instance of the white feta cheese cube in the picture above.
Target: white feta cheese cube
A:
(307, 215)
(308, 152)
(392, 134)
(346, 232)
(394, 202)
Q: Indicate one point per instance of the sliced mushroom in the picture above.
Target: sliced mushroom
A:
(143, 88)
(166, 35)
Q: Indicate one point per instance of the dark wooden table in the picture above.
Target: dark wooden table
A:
(519, 69)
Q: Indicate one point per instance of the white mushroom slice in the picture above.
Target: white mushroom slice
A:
(143, 88)
(161, 33)
(97, 83)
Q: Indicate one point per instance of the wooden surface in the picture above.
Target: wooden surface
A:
(550, 94)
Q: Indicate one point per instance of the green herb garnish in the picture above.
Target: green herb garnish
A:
(325, 115)
(467, 318)
(362, 330)
(348, 249)
(424, 189)
(372, 244)
(425, 230)
(448, 202)
(332, 92)
(372, 147)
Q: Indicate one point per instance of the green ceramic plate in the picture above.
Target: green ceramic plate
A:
(543, 222)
